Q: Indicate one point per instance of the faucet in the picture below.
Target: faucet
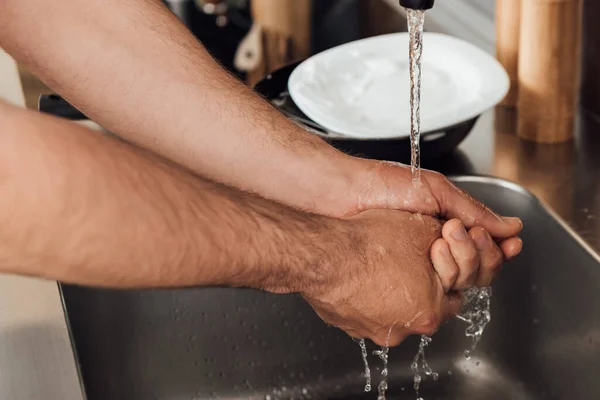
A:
(417, 4)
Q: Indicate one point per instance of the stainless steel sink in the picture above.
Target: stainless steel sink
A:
(543, 341)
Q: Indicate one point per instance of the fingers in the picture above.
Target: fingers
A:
(463, 260)
(511, 247)
(452, 304)
(444, 264)
(455, 203)
(464, 252)
(490, 256)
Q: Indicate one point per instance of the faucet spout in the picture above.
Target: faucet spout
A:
(417, 4)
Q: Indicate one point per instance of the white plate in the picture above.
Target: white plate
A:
(362, 89)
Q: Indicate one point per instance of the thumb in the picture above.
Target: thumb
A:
(455, 203)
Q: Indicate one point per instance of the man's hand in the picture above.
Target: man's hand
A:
(389, 185)
(387, 280)
(475, 240)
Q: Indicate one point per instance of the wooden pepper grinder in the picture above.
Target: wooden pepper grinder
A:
(549, 69)
(508, 24)
(281, 33)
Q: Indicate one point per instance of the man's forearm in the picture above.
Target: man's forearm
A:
(136, 70)
(83, 208)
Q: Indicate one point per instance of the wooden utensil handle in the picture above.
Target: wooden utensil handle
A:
(286, 33)
(549, 69)
(508, 28)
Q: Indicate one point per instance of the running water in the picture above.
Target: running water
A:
(383, 354)
(420, 364)
(476, 309)
(363, 349)
(416, 20)
(476, 313)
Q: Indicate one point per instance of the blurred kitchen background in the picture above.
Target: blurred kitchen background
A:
(221, 25)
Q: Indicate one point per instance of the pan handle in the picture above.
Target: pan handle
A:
(56, 105)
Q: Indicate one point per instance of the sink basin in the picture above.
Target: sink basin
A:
(543, 341)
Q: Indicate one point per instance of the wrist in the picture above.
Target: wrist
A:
(328, 179)
(316, 256)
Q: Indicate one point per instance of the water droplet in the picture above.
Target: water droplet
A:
(420, 363)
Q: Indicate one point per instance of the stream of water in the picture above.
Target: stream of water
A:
(420, 364)
(383, 355)
(416, 20)
(476, 309)
(363, 350)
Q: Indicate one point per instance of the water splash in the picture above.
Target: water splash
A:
(476, 313)
(383, 355)
(367, 374)
(416, 20)
(420, 364)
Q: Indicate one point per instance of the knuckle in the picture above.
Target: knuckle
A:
(430, 323)
(379, 340)
(433, 225)
(439, 178)
(453, 273)
(439, 181)
(397, 339)
(450, 226)
(497, 260)
(478, 233)
(470, 261)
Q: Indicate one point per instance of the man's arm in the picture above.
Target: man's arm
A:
(86, 209)
(80, 207)
(135, 69)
